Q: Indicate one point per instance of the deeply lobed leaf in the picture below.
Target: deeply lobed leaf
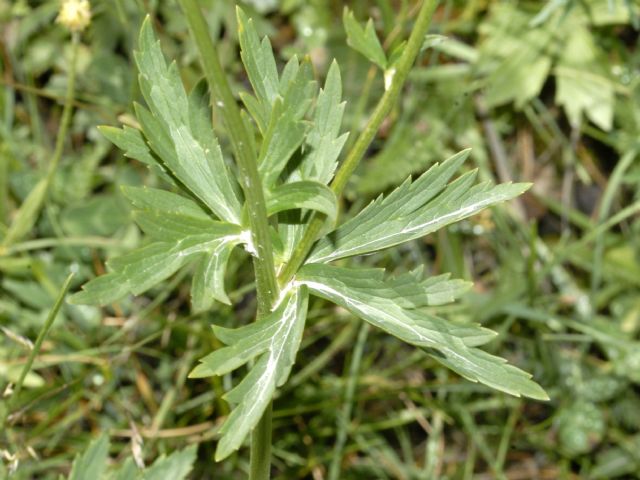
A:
(178, 129)
(259, 62)
(177, 135)
(414, 210)
(273, 341)
(391, 306)
(364, 40)
(139, 270)
(321, 149)
(183, 232)
(286, 129)
(324, 143)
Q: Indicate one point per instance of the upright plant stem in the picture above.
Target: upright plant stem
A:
(266, 283)
(384, 106)
(245, 156)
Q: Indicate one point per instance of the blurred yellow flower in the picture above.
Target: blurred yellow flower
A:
(75, 14)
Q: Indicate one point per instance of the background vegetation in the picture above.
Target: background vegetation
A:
(545, 92)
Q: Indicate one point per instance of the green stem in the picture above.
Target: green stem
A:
(266, 283)
(260, 452)
(245, 156)
(384, 106)
(53, 313)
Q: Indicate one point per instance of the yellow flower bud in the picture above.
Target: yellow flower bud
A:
(75, 14)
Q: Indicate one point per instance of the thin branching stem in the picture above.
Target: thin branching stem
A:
(245, 156)
(266, 283)
(357, 152)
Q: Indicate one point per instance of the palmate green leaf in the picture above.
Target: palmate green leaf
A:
(364, 40)
(323, 142)
(273, 341)
(183, 232)
(177, 129)
(305, 194)
(583, 92)
(166, 216)
(91, 463)
(260, 64)
(516, 57)
(391, 306)
(413, 210)
(131, 141)
(286, 128)
(521, 75)
(141, 269)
